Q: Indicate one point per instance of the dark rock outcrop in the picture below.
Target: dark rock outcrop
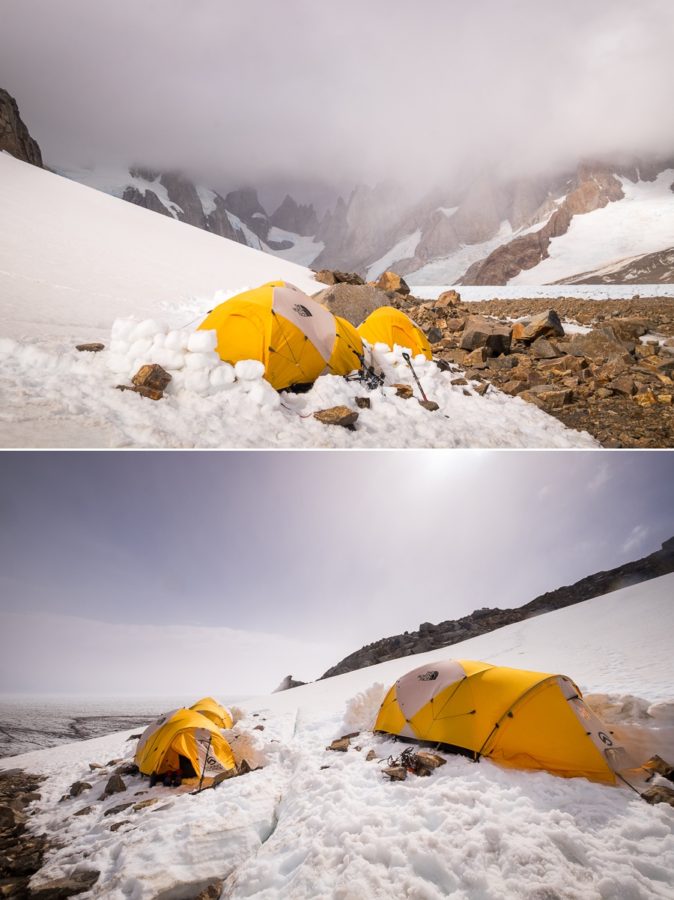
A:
(444, 634)
(14, 135)
(295, 217)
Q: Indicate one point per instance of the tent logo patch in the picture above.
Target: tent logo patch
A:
(302, 310)
(605, 738)
(428, 676)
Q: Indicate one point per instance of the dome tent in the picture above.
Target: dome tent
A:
(522, 719)
(210, 708)
(293, 336)
(390, 326)
(183, 733)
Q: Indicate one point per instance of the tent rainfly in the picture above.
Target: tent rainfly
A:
(182, 739)
(390, 326)
(210, 708)
(522, 719)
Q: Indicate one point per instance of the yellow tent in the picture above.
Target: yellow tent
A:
(181, 737)
(294, 337)
(390, 326)
(210, 708)
(527, 720)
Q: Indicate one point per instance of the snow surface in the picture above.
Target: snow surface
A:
(512, 292)
(451, 268)
(405, 248)
(79, 265)
(642, 222)
(317, 824)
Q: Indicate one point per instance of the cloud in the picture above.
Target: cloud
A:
(342, 92)
(637, 538)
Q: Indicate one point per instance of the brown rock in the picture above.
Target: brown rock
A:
(543, 325)
(117, 809)
(78, 787)
(337, 415)
(153, 377)
(430, 405)
(115, 785)
(59, 888)
(430, 760)
(332, 276)
(645, 397)
(518, 330)
(477, 359)
(596, 344)
(389, 281)
(404, 391)
(544, 349)
(447, 298)
(481, 332)
(481, 389)
(14, 135)
(457, 324)
(370, 756)
(353, 302)
(546, 395)
(143, 804)
(395, 773)
(623, 385)
(363, 402)
(341, 745)
(659, 793)
(90, 348)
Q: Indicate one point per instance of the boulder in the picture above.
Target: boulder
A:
(77, 883)
(389, 281)
(337, 415)
(542, 348)
(332, 276)
(600, 343)
(430, 760)
(629, 329)
(623, 385)
(543, 325)
(447, 299)
(434, 335)
(78, 787)
(481, 332)
(477, 359)
(353, 302)
(547, 396)
(115, 785)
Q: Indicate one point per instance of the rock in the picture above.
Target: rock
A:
(363, 402)
(153, 377)
(59, 888)
(477, 359)
(543, 325)
(430, 760)
(629, 329)
(114, 810)
(143, 804)
(544, 349)
(481, 389)
(353, 302)
(94, 766)
(84, 811)
(665, 398)
(517, 333)
(659, 793)
(117, 825)
(597, 344)
(645, 397)
(481, 332)
(395, 773)
(389, 281)
(14, 135)
(404, 391)
(547, 395)
(447, 298)
(244, 767)
(341, 745)
(258, 728)
(337, 415)
(430, 405)
(150, 393)
(370, 756)
(127, 768)
(78, 787)
(623, 384)
(115, 785)
(657, 764)
(332, 277)
(90, 348)
(11, 817)
(434, 335)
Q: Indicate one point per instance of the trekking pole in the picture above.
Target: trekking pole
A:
(407, 359)
(203, 771)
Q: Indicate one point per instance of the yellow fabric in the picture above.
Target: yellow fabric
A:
(390, 326)
(348, 347)
(516, 717)
(247, 328)
(163, 741)
(214, 711)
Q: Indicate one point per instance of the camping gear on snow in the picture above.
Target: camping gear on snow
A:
(293, 336)
(214, 711)
(407, 359)
(186, 742)
(522, 719)
(390, 326)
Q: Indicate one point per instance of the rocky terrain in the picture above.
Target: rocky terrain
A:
(14, 135)
(444, 634)
(651, 268)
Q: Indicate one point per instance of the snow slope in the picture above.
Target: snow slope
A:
(642, 222)
(74, 260)
(316, 824)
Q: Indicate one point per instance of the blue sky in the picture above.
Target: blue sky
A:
(306, 556)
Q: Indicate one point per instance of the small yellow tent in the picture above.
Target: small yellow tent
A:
(390, 326)
(210, 708)
(293, 336)
(527, 720)
(183, 733)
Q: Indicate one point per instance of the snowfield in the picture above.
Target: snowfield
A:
(318, 824)
(75, 261)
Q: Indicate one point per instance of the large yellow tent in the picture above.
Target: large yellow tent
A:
(188, 734)
(390, 326)
(293, 336)
(214, 711)
(527, 720)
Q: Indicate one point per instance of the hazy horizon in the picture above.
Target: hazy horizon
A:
(326, 98)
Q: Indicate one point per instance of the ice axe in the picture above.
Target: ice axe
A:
(407, 359)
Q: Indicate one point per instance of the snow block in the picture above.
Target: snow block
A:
(249, 369)
(202, 341)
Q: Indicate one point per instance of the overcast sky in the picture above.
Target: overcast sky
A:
(340, 92)
(167, 572)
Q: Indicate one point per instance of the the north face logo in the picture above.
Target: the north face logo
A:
(302, 310)
(428, 676)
